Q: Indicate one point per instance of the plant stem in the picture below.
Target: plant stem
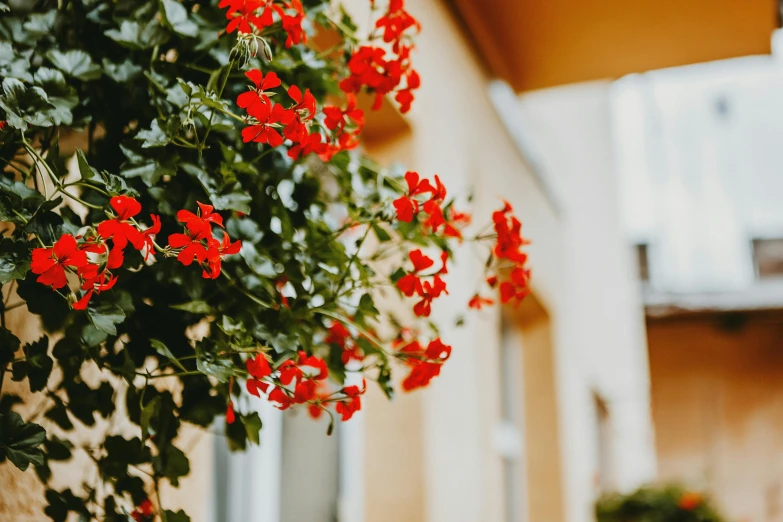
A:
(212, 113)
(163, 516)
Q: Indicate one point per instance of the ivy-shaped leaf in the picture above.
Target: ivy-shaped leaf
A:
(76, 63)
(120, 72)
(171, 463)
(14, 260)
(9, 344)
(25, 106)
(163, 350)
(179, 516)
(176, 17)
(37, 365)
(106, 316)
(20, 442)
(133, 35)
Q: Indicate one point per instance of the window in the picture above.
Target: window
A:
(643, 261)
(265, 484)
(508, 432)
(768, 257)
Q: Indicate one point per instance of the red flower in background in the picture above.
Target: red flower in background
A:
(144, 512)
(425, 363)
(230, 414)
(429, 292)
(478, 302)
(509, 238)
(352, 402)
(690, 501)
(337, 118)
(406, 205)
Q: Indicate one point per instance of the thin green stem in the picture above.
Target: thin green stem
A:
(77, 199)
(212, 113)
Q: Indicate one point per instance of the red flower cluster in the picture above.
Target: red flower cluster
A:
(689, 501)
(90, 258)
(409, 205)
(369, 67)
(516, 285)
(198, 243)
(301, 381)
(267, 119)
(145, 512)
(424, 363)
(247, 16)
(303, 374)
(411, 283)
(340, 336)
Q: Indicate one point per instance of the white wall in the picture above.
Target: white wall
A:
(601, 345)
(699, 150)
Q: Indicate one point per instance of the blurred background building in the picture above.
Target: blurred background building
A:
(652, 346)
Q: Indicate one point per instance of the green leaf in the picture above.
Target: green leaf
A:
(120, 72)
(253, 426)
(9, 345)
(179, 516)
(14, 260)
(61, 96)
(135, 36)
(37, 364)
(41, 24)
(20, 442)
(76, 63)
(176, 17)
(155, 136)
(195, 307)
(381, 233)
(238, 201)
(105, 317)
(25, 106)
(88, 173)
(147, 412)
(209, 363)
(165, 352)
(171, 463)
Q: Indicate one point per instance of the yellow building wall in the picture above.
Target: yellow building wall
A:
(717, 392)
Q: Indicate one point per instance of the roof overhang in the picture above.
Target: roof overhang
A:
(535, 44)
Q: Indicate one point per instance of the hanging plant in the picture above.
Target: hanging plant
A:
(664, 503)
(219, 235)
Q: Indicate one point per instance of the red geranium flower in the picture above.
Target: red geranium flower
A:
(267, 117)
(119, 229)
(262, 84)
(477, 302)
(230, 415)
(429, 292)
(304, 103)
(50, 263)
(337, 118)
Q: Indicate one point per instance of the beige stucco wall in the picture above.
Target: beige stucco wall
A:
(717, 394)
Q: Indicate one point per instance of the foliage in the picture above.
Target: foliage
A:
(657, 504)
(218, 235)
